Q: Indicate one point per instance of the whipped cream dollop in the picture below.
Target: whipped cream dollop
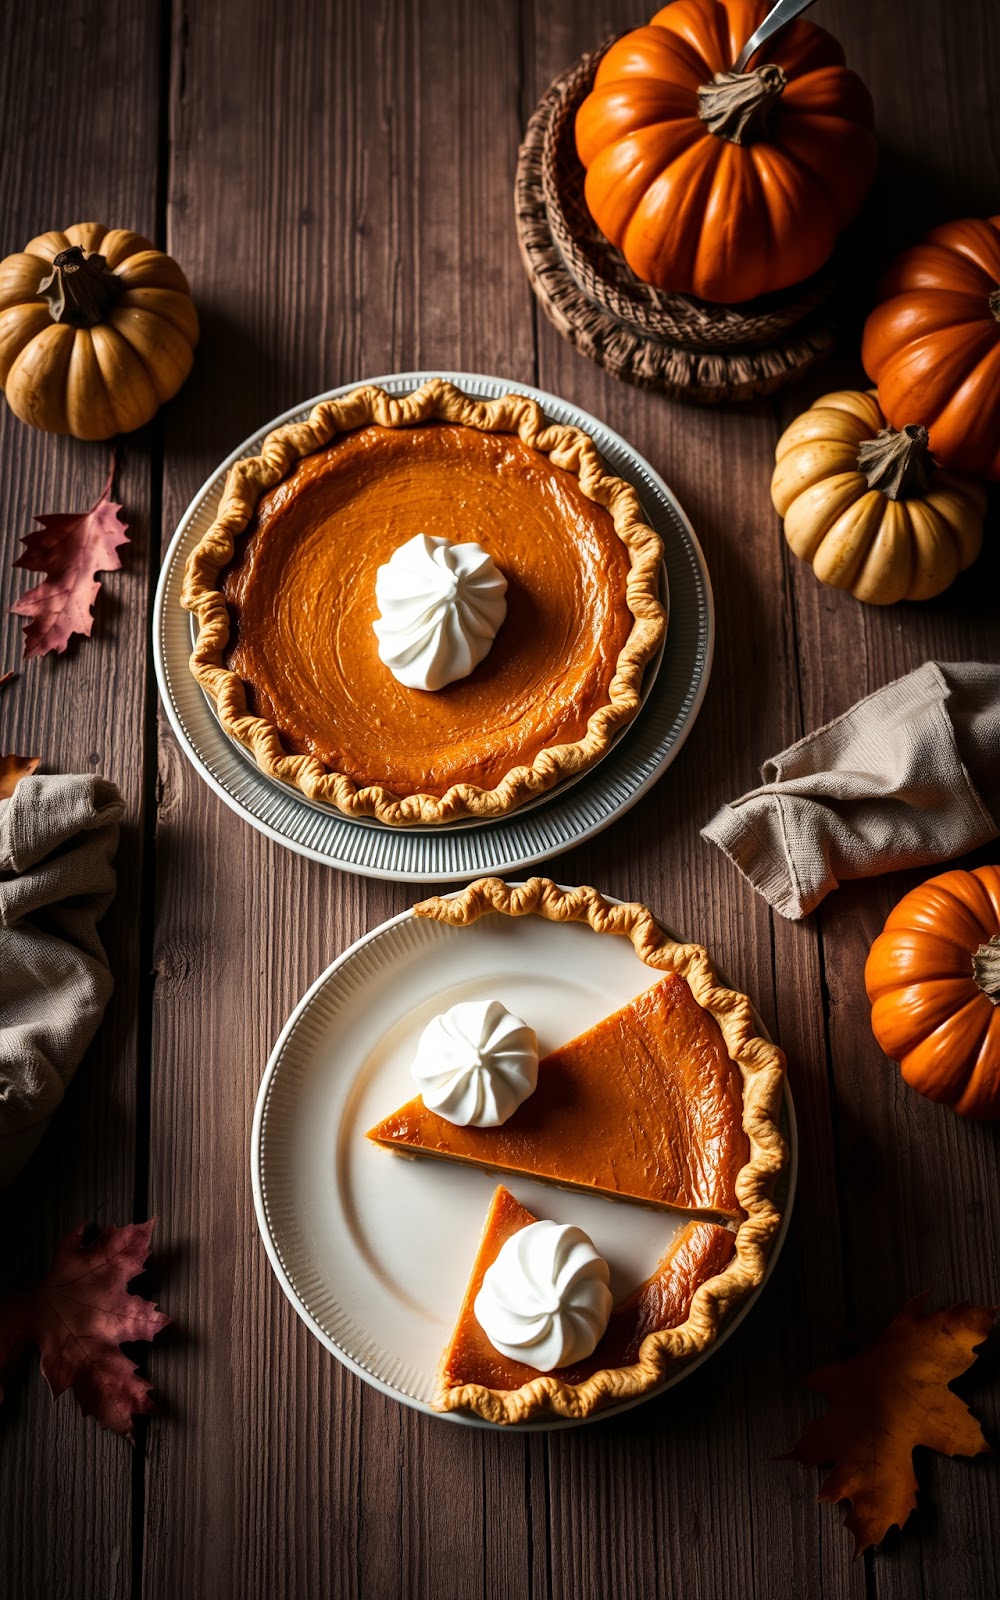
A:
(545, 1301)
(476, 1063)
(441, 606)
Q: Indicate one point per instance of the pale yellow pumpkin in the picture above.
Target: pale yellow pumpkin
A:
(866, 506)
(97, 330)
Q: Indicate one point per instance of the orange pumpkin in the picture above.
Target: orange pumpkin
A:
(933, 343)
(725, 184)
(933, 977)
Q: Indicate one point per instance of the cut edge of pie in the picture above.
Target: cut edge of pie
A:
(550, 1138)
(567, 447)
(762, 1069)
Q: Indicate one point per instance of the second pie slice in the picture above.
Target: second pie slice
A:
(475, 1375)
(646, 1106)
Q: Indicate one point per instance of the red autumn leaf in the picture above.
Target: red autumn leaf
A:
(79, 1315)
(886, 1400)
(12, 770)
(70, 548)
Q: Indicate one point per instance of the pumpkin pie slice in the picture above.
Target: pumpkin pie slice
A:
(673, 1102)
(646, 1106)
(474, 1375)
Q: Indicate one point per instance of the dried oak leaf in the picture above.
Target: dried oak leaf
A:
(70, 548)
(886, 1400)
(79, 1315)
(12, 770)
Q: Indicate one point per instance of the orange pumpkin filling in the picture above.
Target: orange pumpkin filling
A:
(645, 1106)
(301, 592)
(698, 1252)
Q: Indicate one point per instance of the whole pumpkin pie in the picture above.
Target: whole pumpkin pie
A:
(294, 583)
(672, 1102)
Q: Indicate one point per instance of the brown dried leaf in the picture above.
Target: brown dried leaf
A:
(886, 1400)
(79, 1315)
(70, 548)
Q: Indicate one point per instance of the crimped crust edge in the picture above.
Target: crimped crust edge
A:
(437, 399)
(762, 1068)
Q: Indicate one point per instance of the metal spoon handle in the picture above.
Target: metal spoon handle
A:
(776, 18)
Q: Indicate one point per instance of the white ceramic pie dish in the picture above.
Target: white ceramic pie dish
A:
(461, 850)
(372, 1250)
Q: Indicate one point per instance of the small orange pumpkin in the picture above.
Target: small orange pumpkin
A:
(933, 977)
(717, 183)
(933, 343)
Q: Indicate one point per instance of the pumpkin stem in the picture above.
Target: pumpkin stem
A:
(994, 303)
(897, 463)
(80, 288)
(986, 968)
(735, 104)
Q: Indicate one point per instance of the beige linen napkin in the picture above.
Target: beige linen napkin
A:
(58, 837)
(908, 776)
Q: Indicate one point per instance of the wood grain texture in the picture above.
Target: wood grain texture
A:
(376, 162)
(724, 1431)
(338, 183)
(78, 131)
(918, 1185)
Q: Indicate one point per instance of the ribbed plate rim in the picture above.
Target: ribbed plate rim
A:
(290, 1282)
(508, 844)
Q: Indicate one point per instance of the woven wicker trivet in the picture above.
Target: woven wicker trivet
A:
(682, 346)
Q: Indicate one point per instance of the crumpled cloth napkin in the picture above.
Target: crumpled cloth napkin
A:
(908, 776)
(58, 837)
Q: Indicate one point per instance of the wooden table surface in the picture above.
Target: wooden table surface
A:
(336, 178)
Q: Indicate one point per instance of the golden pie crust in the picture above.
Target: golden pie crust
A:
(762, 1070)
(436, 402)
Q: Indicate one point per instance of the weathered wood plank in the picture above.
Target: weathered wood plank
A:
(340, 193)
(78, 128)
(380, 155)
(918, 1185)
(703, 1505)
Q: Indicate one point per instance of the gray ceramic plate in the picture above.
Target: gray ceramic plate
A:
(457, 852)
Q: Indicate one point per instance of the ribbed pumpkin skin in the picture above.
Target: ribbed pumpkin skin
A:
(855, 537)
(694, 213)
(928, 1012)
(94, 382)
(932, 344)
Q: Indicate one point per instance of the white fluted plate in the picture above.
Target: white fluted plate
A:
(373, 1250)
